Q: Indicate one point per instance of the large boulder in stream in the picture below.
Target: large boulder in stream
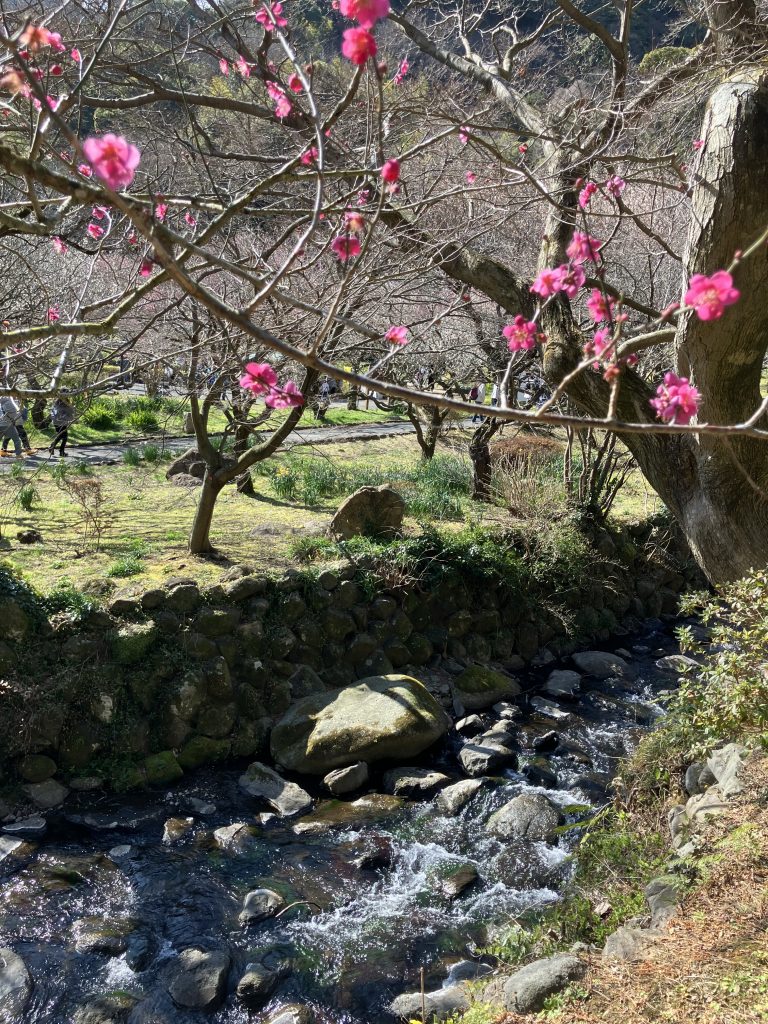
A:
(529, 816)
(199, 979)
(15, 984)
(392, 717)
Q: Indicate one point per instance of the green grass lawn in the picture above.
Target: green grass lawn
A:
(147, 519)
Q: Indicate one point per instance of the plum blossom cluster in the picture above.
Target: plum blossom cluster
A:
(261, 379)
(266, 14)
(401, 72)
(358, 44)
(283, 105)
(614, 186)
(710, 295)
(398, 336)
(520, 334)
(677, 400)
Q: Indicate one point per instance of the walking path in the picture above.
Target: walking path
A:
(110, 454)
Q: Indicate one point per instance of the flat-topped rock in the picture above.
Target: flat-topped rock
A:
(392, 717)
(285, 797)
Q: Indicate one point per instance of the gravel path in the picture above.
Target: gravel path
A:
(110, 454)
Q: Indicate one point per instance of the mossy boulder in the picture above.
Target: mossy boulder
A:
(163, 768)
(200, 750)
(15, 621)
(480, 687)
(132, 641)
(391, 717)
(37, 768)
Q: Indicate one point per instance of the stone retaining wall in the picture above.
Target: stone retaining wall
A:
(165, 680)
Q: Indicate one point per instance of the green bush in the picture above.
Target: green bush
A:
(99, 416)
(143, 419)
(28, 495)
(65, 597)
(724, 699)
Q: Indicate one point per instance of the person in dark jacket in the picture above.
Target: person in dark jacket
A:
(62, 415)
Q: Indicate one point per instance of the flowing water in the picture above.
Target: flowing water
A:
(376, 911)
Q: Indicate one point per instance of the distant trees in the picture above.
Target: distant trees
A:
(515, 189)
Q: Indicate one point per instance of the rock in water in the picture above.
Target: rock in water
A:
(439, 1005)
(601, 664)
(347, 780)
(259, 905)
(286, 798)
(528, 816)
(256, 985)
(369, 512)
(112, 1008)
(414, 783)
(562, 683)
(15, 984)
(453, 798)
(479, 687)
(199, 979)
(459, 878)
(382, 717)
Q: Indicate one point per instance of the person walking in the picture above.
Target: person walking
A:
(62, 415)
(9, 413)
(479, 397)
(22, 415)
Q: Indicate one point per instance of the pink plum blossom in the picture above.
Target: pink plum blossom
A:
(365, 12)
(14, 82)
(390, 172)
(36, 37)
(145, 268)
(56, 70)
(397, 335)
(243, 67)
(283, 105)
(345, 247)
(53, 314)
(99, 212)
(259, 378)
(464, 134)
(520, 334)
(401, 72)
(85, 170)
(263, 18)
(294, 83)
(710, 295)
(677, 400)
(76, 55)
(160, 211)
(310, 156)
(113, 159)
(358, 45)
(698, 144)
(585, 196)
(615, 185)
(583, 247)
(223, 66)
(95, 230)
(547, 282)
(522, 148)
(471, 177)
(571, 279)
(190, 219)
(60, 246)
(286, 397)
(354, 222)
(600, 306)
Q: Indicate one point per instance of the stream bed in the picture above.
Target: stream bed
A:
(106, 900)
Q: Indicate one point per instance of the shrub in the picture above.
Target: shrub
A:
(28, 495)
(65, 597)
(310, 549)
(143, 419)
(99, 416)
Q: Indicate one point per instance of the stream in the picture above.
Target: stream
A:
(103, 902)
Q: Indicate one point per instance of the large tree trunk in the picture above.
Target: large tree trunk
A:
(200, 538)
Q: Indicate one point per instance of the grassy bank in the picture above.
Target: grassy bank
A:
(711, 964)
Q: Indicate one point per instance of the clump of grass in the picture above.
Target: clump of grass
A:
(99, 416)
(128, 565)
(143, 419)
(132, 457)
(28, 495)
(150, 453)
